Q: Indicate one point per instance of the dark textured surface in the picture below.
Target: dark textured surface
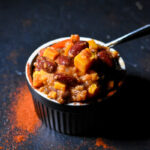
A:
(24, 25)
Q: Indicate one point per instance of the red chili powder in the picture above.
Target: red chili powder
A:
(22, 116)
(25, 115)
(20, 138)
(100, 142)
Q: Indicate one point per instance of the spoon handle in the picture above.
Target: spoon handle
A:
(145, 30)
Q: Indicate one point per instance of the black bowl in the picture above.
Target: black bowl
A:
(73, 118)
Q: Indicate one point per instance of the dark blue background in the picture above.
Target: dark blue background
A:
(24, 25)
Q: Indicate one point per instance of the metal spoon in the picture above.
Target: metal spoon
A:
(145, 30)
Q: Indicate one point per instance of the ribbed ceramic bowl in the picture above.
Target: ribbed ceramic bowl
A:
(73, 118)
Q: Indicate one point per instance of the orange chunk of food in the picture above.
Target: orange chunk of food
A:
(61, 68)
(78, 93)
(120, 83)
(50, 53)
(110, 84)
(75, 38)
(81, 96)
(60, 44)
(94, 76)
(41, 52)
(83, 60)
(92, 89)
(114, 54)
(111, 93)
(67, 48)
(52, 94)
(39, 77)
(59, 86)
(92, 45)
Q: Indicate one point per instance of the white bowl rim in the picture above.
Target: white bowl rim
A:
(34, 54)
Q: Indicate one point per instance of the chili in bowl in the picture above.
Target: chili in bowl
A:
(68, 76)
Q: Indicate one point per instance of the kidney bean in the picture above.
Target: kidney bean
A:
(64, 60)
(46, 65)
(65, 78)
(77, 47)
(105, 57)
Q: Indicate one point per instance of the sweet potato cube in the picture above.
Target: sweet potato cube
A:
(52, 94)
(68, 46)
(92, 45)
(59, 86)
(83, 60)
(94, 76)
(92, 89)
(75, 38)
(50, 53)
(39, 77)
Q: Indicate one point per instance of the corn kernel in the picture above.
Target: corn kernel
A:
(83, 60)
(59, 86)
(50, 53)
(92, 89)
(92, 45)
(52, 94)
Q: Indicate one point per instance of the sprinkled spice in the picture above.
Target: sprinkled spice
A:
(100, 142)
(20, 138)
(22, 117)
(25, 115)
